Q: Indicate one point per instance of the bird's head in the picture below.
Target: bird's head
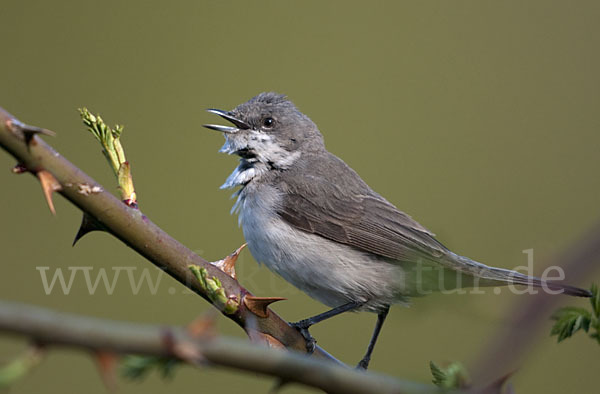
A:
(268, 129)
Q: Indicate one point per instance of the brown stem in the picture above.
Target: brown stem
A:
(48, 327)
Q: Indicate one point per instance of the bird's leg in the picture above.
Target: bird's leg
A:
(303, 325)
(364, 363)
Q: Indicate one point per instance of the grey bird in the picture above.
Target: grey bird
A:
(310, 218)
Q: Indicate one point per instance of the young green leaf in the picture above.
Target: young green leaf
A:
(136, 367)
(569, 320)
(112, 149)
(595, 300)
(452, 377)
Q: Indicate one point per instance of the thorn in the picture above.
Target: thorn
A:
(28, 131)
(49, 186)
(203, 326)
(185, 351)
(227, 265)
(259, 305)
(279, 384)
(107, 363)
(19, 169)
(88, 224)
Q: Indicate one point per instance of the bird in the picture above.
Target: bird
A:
(311, 219)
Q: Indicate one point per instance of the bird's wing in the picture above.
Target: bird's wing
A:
(344, 209)
(336, 204)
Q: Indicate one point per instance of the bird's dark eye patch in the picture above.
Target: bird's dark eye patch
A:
(268, 122)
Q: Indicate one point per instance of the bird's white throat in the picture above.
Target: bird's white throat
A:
(267, 155)
(244, 173)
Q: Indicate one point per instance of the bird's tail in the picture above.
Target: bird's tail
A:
(499, 276)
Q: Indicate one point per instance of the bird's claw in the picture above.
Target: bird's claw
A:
(311, 342)
(363, 364)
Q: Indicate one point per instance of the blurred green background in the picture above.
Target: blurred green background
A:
(478, 118)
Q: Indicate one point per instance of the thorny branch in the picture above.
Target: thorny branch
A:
(48, 327)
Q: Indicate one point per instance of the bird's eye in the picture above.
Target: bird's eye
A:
(268, 122)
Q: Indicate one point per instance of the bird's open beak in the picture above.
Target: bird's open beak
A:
(241, 125)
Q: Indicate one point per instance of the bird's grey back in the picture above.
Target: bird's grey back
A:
(324, 196)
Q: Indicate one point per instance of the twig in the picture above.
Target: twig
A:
(53, 328)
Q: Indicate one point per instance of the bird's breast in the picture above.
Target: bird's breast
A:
(328, 271)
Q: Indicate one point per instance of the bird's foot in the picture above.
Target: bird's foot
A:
(363, 364)
(302, 327)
